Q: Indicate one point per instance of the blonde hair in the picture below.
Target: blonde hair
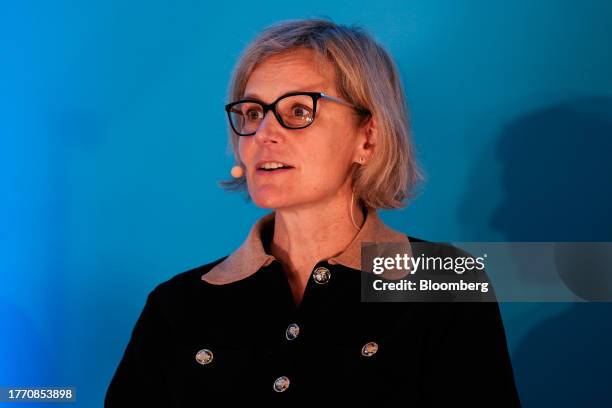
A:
(365, 76)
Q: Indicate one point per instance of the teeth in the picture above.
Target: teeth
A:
(272, 165)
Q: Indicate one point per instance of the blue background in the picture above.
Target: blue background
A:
(113, 140)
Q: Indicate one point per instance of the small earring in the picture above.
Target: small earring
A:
(237, 171)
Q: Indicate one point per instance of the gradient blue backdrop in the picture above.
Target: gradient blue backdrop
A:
(112, 141)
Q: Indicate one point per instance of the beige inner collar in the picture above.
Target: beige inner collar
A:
(251, 255)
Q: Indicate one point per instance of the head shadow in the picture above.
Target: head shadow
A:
(555, 175)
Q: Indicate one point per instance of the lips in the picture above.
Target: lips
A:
(270, 166)
(263, 172)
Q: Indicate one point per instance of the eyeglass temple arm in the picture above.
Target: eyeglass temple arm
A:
(342, 101)
(333, 98)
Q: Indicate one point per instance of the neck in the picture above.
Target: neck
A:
(304, 236)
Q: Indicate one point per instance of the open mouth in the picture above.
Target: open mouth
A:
(272, 167)
(276, 169)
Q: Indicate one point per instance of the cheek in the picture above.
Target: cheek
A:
(338, 136)
(329, 159)
(336, 146)
(244, 149)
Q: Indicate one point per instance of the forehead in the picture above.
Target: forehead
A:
(299, 70)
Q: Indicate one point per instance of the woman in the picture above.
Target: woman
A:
(319, 129)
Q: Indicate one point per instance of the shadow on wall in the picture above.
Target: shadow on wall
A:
(556, 177)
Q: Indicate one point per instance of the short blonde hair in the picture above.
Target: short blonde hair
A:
(365, 76)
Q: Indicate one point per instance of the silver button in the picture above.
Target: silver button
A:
(204, 356)
(321, 275)
(369, 349)
(293, 330)
(281, 384)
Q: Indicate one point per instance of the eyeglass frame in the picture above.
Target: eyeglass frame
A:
(272, 106)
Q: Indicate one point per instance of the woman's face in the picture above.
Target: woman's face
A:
(321, 155)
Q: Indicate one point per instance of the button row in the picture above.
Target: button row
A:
(281, 384)
(205, 356)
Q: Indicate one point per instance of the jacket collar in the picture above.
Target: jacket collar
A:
(251, 256)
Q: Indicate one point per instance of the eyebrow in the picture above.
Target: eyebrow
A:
(253, 95)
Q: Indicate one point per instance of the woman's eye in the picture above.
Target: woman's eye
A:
(252, 114)
(300, 112)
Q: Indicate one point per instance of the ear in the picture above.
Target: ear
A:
(366, 141)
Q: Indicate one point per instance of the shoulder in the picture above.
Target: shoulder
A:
(182, 285)
(439, 248)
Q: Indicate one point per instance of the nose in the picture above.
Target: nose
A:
(269, 130)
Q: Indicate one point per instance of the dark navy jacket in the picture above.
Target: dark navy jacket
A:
(230, 331)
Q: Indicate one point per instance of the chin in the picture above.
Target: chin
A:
(269, 194)
(268, 200)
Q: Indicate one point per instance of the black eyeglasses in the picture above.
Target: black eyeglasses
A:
(294, 110)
